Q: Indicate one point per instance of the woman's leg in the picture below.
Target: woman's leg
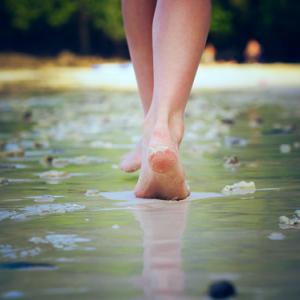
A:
(179, 34)
(138, 19)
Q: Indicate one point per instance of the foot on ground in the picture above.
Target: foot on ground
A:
(162, 175)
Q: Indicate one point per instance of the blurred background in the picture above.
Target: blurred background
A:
(241, 31)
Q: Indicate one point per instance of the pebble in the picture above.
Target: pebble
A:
(239, 188)
(221, 290)
(92, 193)
(231, 162)
(53, 174)
(12, 295)
(286, 223)
(296, 145)
(297, 213)
(67, 242)
(276, 236)
(285, 148)
(4, 181)
(231, 141)
(278, 129)
(39, 210)
(9, 251)
(44, 198)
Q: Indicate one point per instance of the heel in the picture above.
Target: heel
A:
(161, 159)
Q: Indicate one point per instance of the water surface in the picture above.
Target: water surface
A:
(76, 231)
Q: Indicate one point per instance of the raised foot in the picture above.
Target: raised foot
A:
(131, 161)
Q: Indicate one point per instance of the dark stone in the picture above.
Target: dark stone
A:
(227, 121)
(27, 116)
(289, 129)
(221, 290)
(23, 265)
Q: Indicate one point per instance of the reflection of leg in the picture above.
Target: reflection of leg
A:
(163, 228)
(179, 34)
(138, 18)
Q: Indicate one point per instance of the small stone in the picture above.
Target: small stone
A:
(92, 193)
(47, 160)
(221, 290)
(231, 141)
(296, 145)
(276, 236)
(4, 181)
(285, 148)
(297, 213)
(12, 295)
(239, 188)
(54, 174)
(289, 221)
(27, 116)
(284, 220)
(231, 162)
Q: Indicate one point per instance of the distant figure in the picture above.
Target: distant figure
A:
(252, 52)
(166, 39)
(209, 54)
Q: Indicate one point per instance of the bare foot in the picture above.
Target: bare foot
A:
(162, 175)
(131, 161)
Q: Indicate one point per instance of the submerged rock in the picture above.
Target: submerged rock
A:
(285, 148)
(4, 181)
(64, 161)
(92, 193)
(47, 160)
(9, 251)
(67, 242)
(296, 145)
(54, 176)
(221, 290)
(44, 198)
(239, 188)
(12, 295)
(12, 166)
(27, 116)
(39, 210)
(231, 141)
(276, 236)
(231, 162)
(11, 150)
(278, 129)
(297, 213)
(289, 221)
(255, 122)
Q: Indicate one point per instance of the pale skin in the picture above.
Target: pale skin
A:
(166, 39)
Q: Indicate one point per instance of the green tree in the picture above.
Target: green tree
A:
(102, 14)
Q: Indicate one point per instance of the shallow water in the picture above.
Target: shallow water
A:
(76, 230)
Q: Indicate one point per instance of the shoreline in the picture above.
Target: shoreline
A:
(120, 77)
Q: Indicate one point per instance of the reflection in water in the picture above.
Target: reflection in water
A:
(163, 225)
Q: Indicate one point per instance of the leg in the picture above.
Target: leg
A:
(179, 34)
(138, 18)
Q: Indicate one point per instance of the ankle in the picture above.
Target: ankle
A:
(165, 125)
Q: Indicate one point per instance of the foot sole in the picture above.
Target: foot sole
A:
(162, 161)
